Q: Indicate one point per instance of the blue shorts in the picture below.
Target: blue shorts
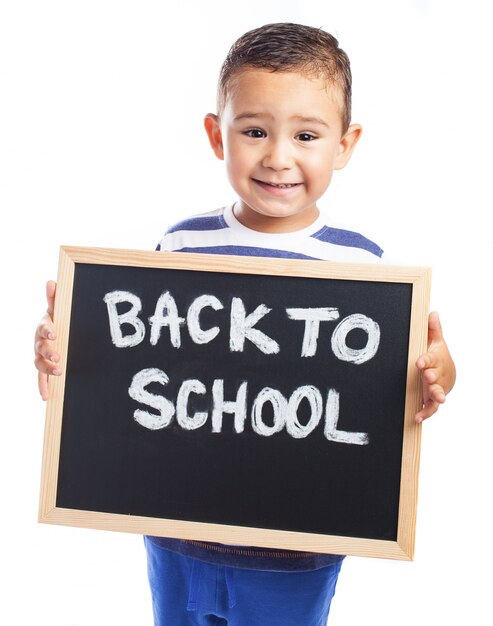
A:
(189, 592)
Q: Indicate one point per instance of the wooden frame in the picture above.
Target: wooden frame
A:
(403, 548)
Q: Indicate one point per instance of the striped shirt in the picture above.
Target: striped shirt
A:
(219, 232)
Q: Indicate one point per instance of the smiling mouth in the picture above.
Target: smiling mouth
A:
(277, 185)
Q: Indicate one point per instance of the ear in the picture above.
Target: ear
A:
(213, 130)
(347, 144)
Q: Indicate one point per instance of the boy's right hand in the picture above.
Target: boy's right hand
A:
(46, 359)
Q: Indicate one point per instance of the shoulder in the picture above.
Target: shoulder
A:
(192, 227)
(339, 236)
(335, 242)
(213, 220)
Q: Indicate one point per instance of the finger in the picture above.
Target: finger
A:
(430, 375)
(435, 332)
(429, 408)
(43, 385)
(425, 361)
(47, 367)
(44, 349)
(429, 361)
(50, 296)
(46, 328)
(43, 388)
(436, 394)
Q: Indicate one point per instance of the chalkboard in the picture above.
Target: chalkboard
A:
(249, 401)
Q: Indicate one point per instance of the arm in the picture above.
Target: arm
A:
(437, 370)
(46, 359)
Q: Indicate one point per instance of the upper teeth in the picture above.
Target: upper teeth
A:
(282, 185)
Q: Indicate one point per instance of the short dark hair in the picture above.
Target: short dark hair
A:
(285, 47)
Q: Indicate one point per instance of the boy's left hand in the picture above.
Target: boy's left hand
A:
(437, 370)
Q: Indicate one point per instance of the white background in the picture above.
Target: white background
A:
(101, 143)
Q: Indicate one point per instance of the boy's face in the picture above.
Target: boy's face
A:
(280, 135)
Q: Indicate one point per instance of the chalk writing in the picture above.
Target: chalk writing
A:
(241, 326)
(283, 411)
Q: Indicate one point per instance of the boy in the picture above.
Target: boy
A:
(282, 127)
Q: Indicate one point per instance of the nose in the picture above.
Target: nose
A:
(278, 155)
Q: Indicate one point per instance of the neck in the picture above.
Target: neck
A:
(269, 224)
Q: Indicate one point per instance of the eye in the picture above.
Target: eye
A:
(256, 133)
(305, 137)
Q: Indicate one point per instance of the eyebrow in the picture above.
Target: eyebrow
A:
(300, 118)
(248, 115)
(311, 120)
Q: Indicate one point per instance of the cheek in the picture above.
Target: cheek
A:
(236, 170)
(320, 168)
(239, 161)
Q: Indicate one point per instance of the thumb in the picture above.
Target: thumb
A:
(435, 332)
(50, 296)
